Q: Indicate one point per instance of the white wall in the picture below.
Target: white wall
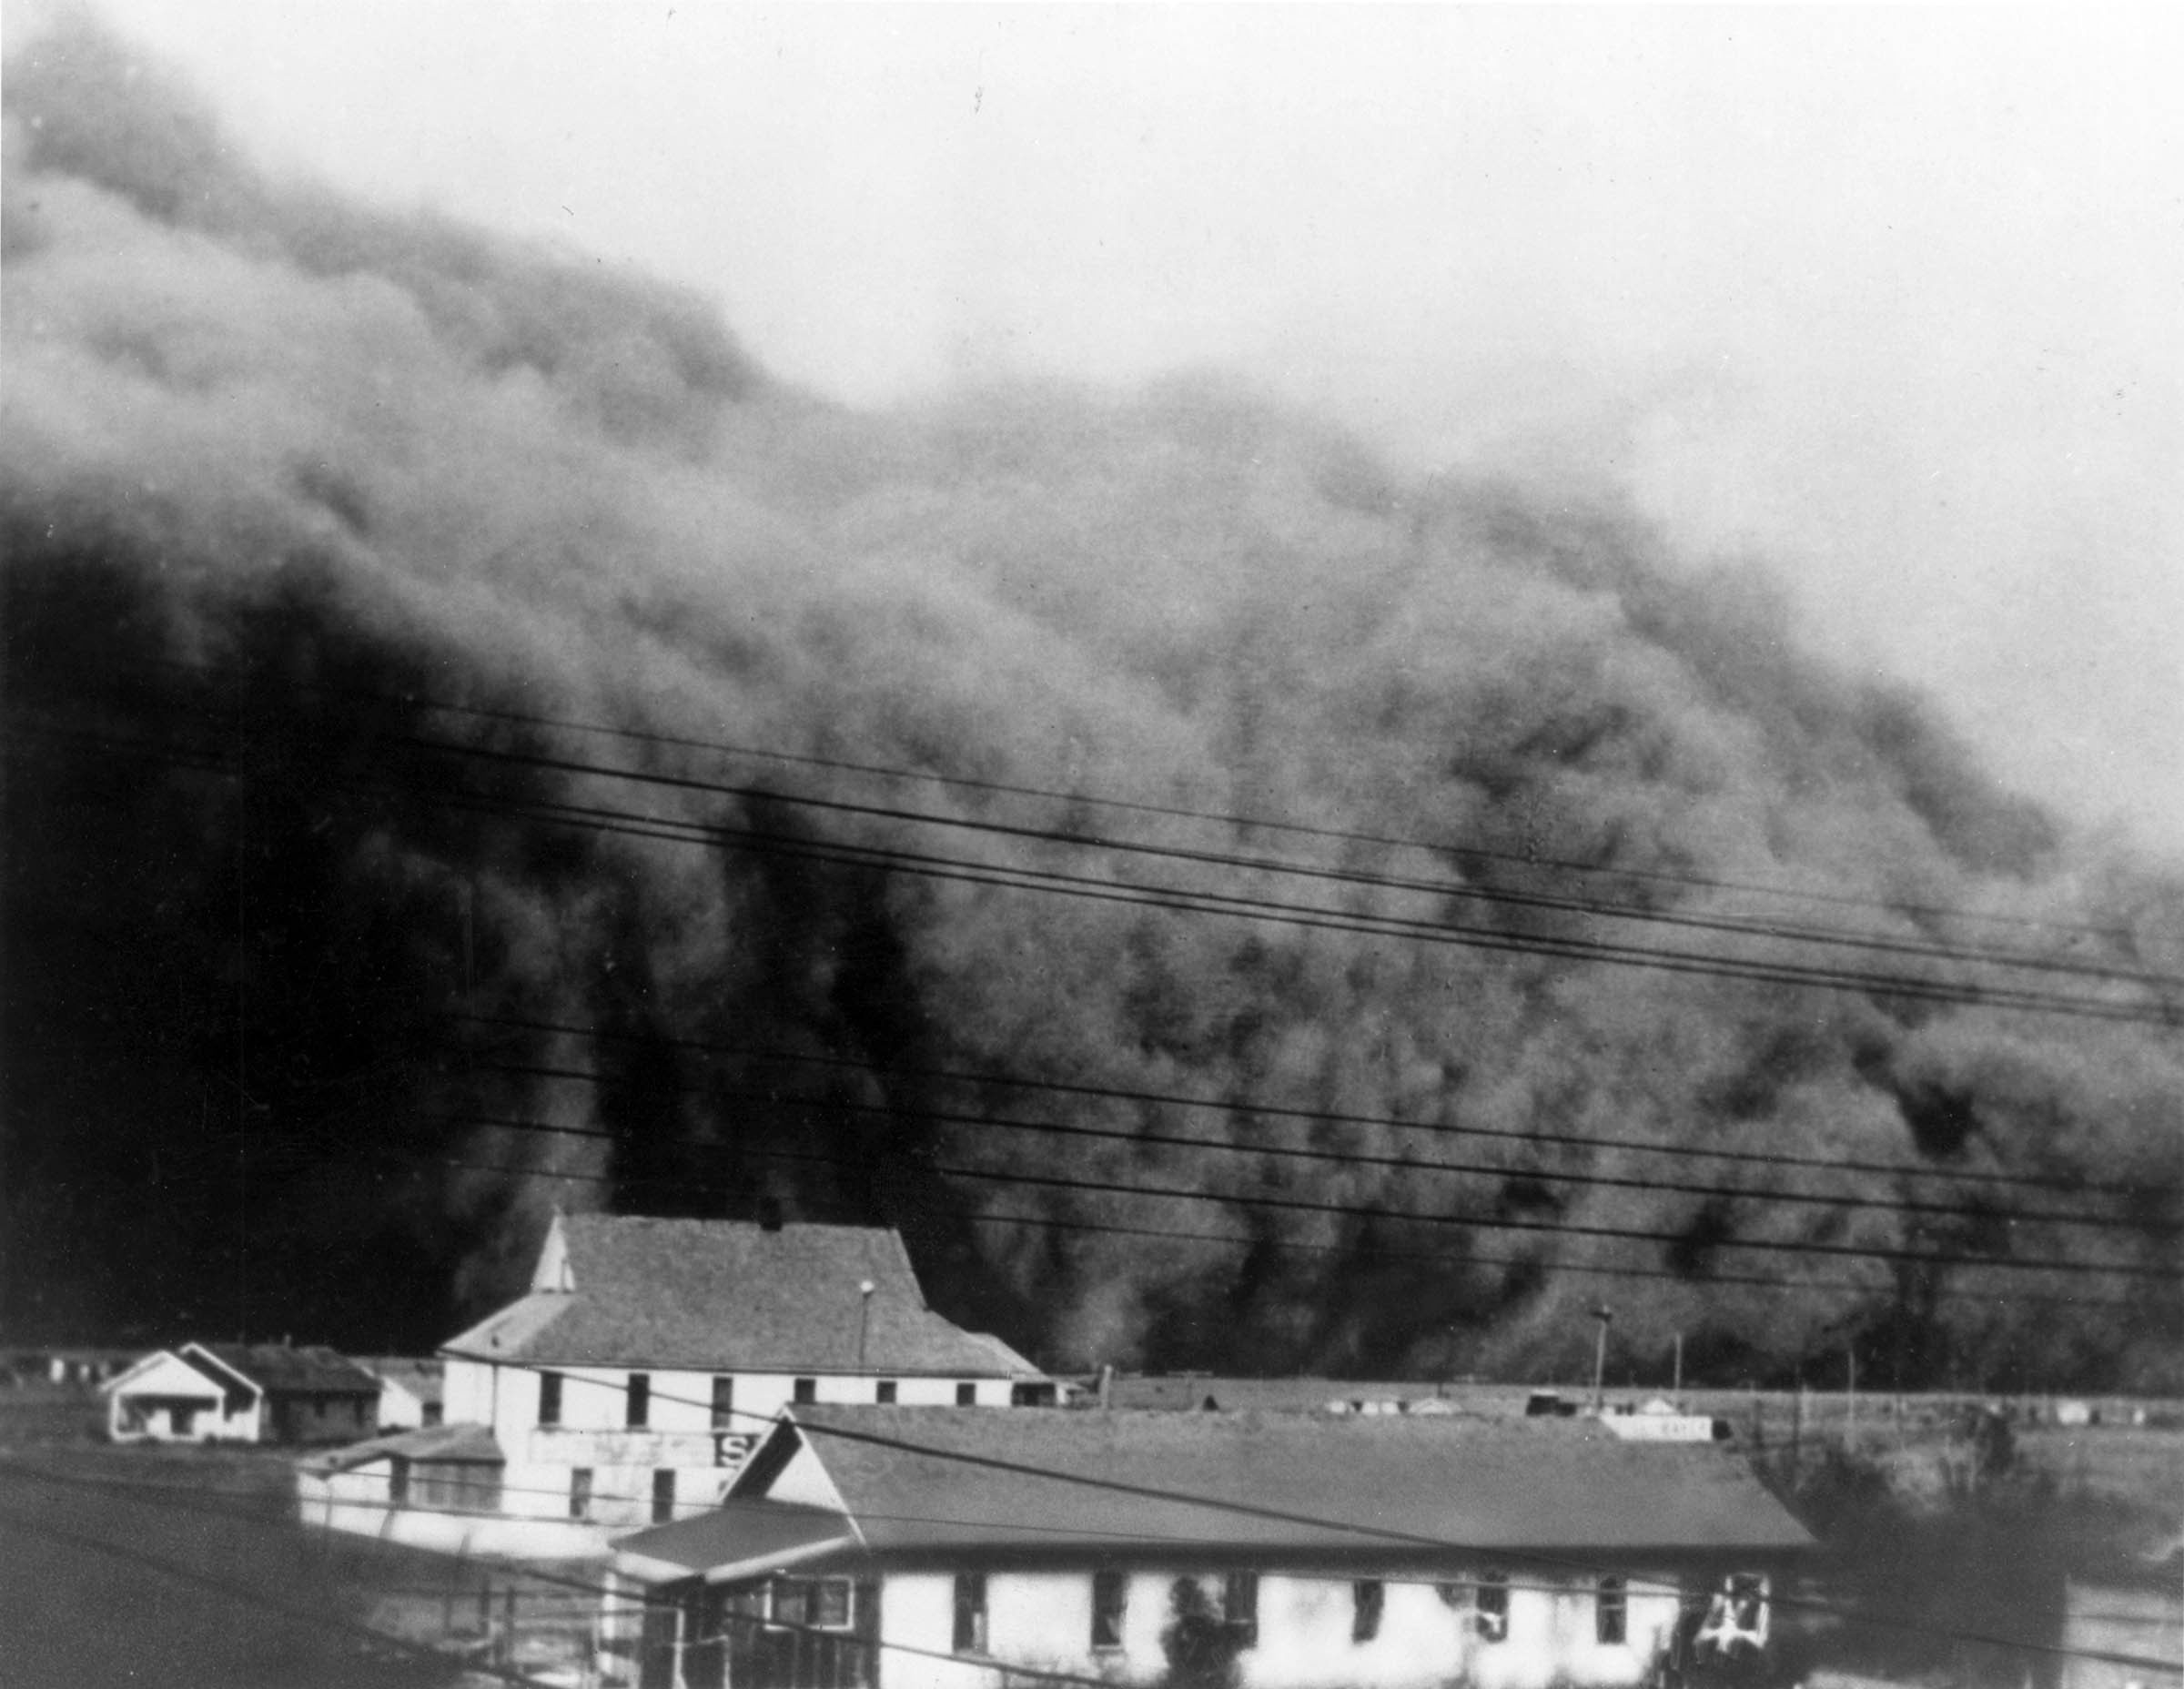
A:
(1042, 1619)
(679, 1435)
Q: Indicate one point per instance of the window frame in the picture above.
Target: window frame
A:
(1612, 1612)
(803, 1391)
(723, 1401)
(1491, 1616)
(883, 1392)
(809, 1603)
(966, 1394)
(550, 1401)
(967, 1633)
(579, 1493)
(1240, 1606)
(1368, 1607)
(1111, 1608)
(637, 1403)
(664, 1495)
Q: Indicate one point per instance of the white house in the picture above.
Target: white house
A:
(238, 1392)
(877, 1548)
(411, 1392)
(627, 1386)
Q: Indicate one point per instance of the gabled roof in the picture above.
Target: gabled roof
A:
(731, 1295)
(212, 1387)
(755, 1535)
(277, 1369)
(1394, 1486)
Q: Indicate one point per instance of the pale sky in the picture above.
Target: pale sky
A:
(1893, 300)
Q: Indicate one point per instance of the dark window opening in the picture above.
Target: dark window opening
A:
(580, 1492)
(664, 1496)
(806, 1389)
(813, 1603)
(1368, 1597)
(1611, 1612)
(970, 1612)
(967, 1395)
(1240, 1607)
(397, 1481)
(1031, 1395)
(884, 1391)
(1494, 1606)
(723, 1404)
(1110, 1595)
(550, 1398)
(640, 1413)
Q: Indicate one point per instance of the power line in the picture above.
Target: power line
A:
(316, 1617)
(1355, 1158)
(681, 1183)
(1318, 1117)
(1310, 916)
(1233, 821)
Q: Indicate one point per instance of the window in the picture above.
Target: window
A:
(1240, 1607)
(812, 1603)
(884, 1391)
(806, 1389)
(1031, 1395)
(967, 1395)
(550, 1398)
(664, 1496)
(1367, 1596)
(1494, 1606)
(640, 1400)
(723, 1404)
(1611, 1612)
(830, 1603)
(970, 1612)
(580, 1492)
(1110, 1594)
(397, 1481)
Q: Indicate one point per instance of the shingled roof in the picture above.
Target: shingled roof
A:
(1387, 1487)
(279, 1369)
(731, 1296)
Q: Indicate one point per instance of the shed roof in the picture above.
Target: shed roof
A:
(470, 1444)
(279, 1369)
(731, 1295)
(925, 1480)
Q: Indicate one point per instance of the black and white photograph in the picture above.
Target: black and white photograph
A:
(1140, 846)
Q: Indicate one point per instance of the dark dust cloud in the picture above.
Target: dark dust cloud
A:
(281, 471)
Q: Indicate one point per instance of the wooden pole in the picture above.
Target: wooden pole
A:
(1850, 1402)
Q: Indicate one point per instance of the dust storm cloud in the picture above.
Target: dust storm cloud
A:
(291, 481)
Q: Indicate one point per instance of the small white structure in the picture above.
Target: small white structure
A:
(164, 1399)
(238, 1393)
(876, 1548)
(627, 1386)
(411, 1392)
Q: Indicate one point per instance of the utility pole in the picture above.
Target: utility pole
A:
(1606, 1316)
(1677, 1391)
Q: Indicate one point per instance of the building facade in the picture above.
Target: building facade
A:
(868, 1548)
(627, 1386)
